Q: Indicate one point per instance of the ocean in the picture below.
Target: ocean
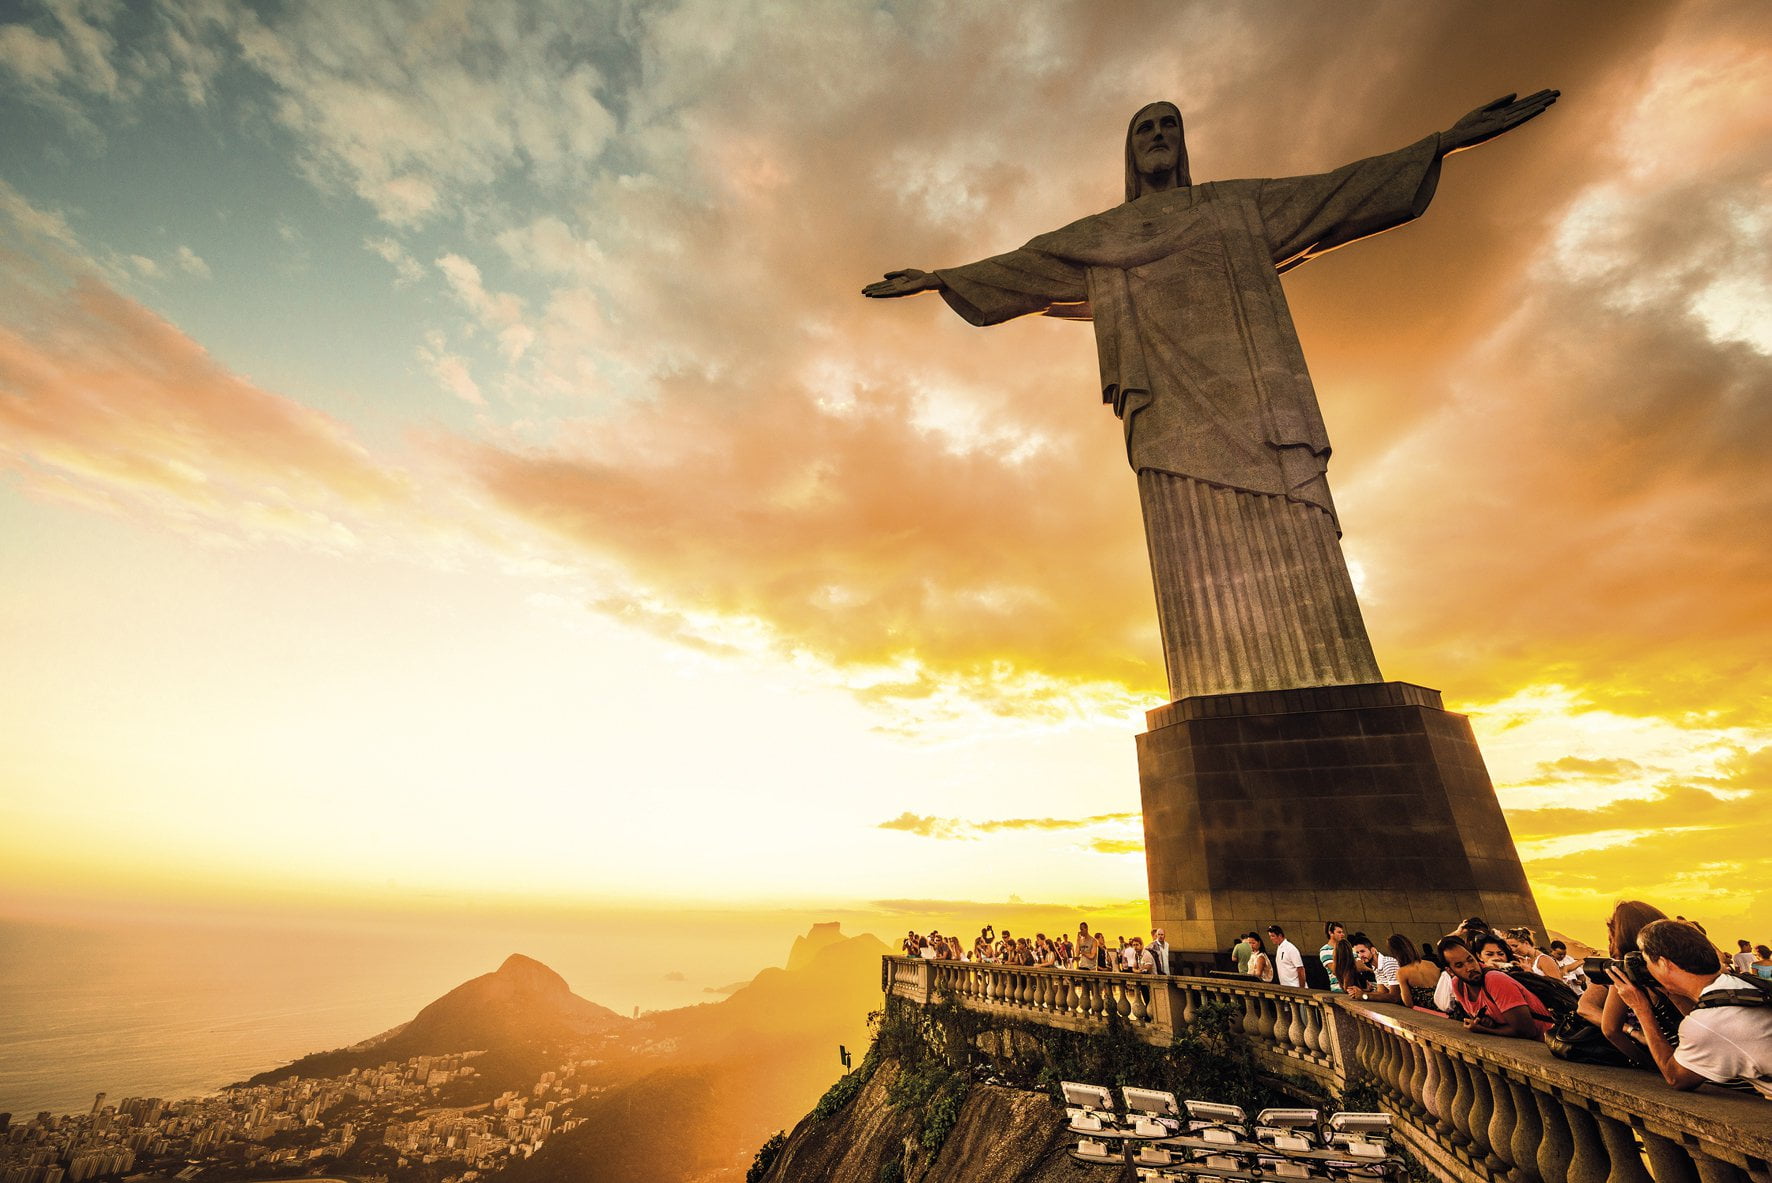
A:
(178, 1006)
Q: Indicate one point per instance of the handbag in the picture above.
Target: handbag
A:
(1578, 1041)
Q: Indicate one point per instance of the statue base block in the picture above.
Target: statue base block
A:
(1364, 804)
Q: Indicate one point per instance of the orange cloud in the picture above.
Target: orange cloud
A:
(953, 827)
(103, 401)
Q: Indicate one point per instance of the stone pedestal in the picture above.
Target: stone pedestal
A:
(1364, 804)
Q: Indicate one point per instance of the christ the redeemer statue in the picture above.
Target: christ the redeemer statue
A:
(1200, 361)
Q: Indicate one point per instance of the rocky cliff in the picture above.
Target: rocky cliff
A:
(1005, 1135)
(947, 1095)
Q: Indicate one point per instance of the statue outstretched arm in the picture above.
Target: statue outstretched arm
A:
(997, 289)
(1494, 119)
(1304, 217)
(908, 282)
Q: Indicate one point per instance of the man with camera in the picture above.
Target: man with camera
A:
(1727, 1037)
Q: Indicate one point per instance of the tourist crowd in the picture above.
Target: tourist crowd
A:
(1665, 997)
(1087, 950)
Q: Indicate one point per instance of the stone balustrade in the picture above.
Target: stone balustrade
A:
(1473, 1109)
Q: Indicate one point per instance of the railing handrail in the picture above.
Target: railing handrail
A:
(1124, 973)
(1729, 1130)
(1747, 1115)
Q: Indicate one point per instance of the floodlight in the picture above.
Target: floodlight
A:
(1150, 1101)
(1090, 1096)
(1214, 1112)
(1287, 1118)
(1360, 1123)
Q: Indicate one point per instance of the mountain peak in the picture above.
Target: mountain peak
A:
(528, 973)
(818, 937)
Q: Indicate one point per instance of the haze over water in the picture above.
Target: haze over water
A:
(171, 1008)
(176, 1004)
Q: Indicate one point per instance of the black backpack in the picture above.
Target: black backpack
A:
(1759, 993)
(1557, 998)
(1316, 975)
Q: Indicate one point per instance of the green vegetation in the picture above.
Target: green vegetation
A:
(841, 1093)
(766, 1156)
(838, 1096)
(933, 1046)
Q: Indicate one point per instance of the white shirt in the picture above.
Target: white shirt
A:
(1386, 973)
(1288, 965)
(1261, 966)
(1743, 961)
(1728, 1042)
(1160, 951)
(1443, 992)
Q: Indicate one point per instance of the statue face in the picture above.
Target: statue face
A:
(1156, 139)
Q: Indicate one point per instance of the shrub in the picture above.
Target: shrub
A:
(766, 1156)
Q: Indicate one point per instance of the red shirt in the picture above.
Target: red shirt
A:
(1498, 995)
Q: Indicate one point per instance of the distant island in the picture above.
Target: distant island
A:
(508, 1074)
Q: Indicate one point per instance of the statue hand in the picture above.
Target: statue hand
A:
(1492, 119)
(908, 282)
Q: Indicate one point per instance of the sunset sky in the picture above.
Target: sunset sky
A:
(444, 453)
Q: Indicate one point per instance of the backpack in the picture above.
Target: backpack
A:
(1759, 993)
(1557, 998)
(1315, 975)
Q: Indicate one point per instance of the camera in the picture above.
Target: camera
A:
(1634, 965)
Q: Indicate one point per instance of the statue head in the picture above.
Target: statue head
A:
(1156, 152)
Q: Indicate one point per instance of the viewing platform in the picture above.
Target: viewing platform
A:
(1470, 1108)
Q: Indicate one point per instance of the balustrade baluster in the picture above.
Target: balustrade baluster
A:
(1460, 1108)
(1290, 1030)
(1482, 1107)
(1501, 1127)
(1587, 1163)
(1622, 1151)
(1266, 1018)
(1668, 1160)
(1403, 1075)
(1418, 1080)
(1122, 999)
(1251, 1020)
(1528, 1128)
(1389, 1057)
(1141, 1010)
(1372, 1052)
(1315, 1036)
(1717, 1170)
(1555, 1147)
(1436, 1090)
(1190, 1005)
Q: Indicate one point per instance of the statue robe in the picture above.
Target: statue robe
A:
(1200, 361)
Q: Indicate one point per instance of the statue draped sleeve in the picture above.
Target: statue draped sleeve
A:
(1303, 217)
(1016, 284)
